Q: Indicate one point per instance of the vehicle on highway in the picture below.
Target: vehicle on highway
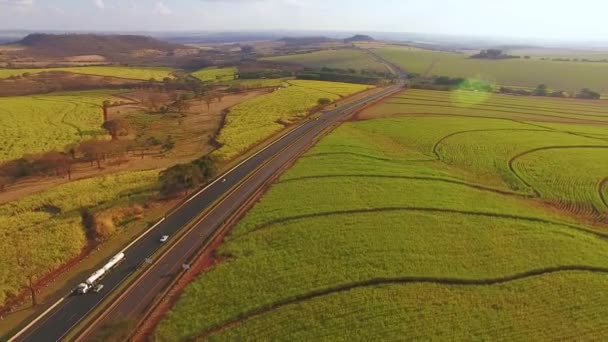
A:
(223, 180)
(164, 238)
(98, 288)
(92, 281)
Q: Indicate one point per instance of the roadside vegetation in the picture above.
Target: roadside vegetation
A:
(130, 72)
(55, 225)
(455, 199)
(257, 119)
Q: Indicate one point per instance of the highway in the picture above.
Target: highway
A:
(219, 199)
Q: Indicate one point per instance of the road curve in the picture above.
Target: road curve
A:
(67, 313)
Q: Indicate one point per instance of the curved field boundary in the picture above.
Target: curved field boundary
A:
(525, 153)
(510, 112)
(430, 179)
(418, 209)
(440, 141)
(395, 161)
(603, 184)
(395, 281)
(513, 106)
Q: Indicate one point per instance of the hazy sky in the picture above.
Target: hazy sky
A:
(582, 19)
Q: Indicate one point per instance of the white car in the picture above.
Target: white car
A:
(164, 238)
(98, 288)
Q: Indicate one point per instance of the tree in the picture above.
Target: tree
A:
(589, 94)
(116, 128)
(106, 104)
(181, 104)
(208, 99)
(28, 265)
(323, 101)
(180, 179)
(95, 150)
(152, 102)
(541, 90)
(4, 182)
(206, 166)
(219, 96)
(58, 162)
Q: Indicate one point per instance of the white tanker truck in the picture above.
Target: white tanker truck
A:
(91, 281)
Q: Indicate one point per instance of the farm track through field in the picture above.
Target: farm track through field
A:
(604, 122)
(430, 179)
(508, 105)
(283, 220)
(65, 112)
(546, 148)
(394, 281)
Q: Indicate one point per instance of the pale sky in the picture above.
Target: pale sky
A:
(552, 19)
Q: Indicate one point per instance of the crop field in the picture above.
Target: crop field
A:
(214, 74)
(568, 76)
(480, 218)
(257, 83)
(257, 119)
(130, 72)
(33, 124)
(49, 224)
(341, 59)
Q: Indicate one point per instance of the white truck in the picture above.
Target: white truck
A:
(91, 281)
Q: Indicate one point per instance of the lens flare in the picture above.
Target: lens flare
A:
(473, 91)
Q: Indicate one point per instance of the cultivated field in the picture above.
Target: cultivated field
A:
(215, 74)
(433, 215)
(135, 73)
(42, 123)
(341, 59)
(568, 76)
(45, 230)
(257, 119)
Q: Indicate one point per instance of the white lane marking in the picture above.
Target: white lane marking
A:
(243, 162)
(143, 234)
(341, 110)
(14, 338)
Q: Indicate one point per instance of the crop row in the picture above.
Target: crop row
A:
(311, 232)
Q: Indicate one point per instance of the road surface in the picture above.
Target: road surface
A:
(72, 309)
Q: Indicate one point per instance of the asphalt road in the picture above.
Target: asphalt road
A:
(61, 319)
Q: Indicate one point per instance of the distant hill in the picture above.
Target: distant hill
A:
(306, 40)
(90, 44)
(359, 38)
